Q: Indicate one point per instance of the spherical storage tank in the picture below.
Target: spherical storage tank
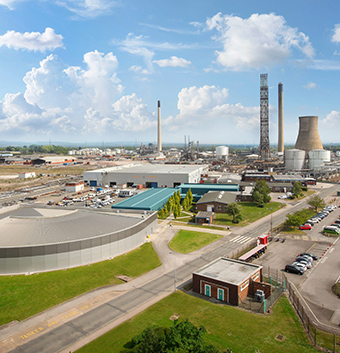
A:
(222, 151)
(294, 159)
(318, 157)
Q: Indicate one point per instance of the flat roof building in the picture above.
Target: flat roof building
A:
(150, 175)
(227, 280)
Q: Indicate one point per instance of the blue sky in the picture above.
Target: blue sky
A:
(93, 70)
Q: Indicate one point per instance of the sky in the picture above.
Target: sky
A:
(92, 71)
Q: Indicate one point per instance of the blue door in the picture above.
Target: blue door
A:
(93, 182)
(154, 185)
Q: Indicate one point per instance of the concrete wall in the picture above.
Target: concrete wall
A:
(77, 253)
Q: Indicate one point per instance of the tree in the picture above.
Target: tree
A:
(294, 220)
(182, 337)
(261, 193)
(297, 189)
(234, 210)
(316, 202)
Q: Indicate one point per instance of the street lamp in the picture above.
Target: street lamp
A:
(271, 222)
(175, 270)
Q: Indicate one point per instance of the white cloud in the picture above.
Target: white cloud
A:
(336, 35)
(139, 70)
(66, 101)
(9, 3)
(256, 42)
(332, 119)
(310, 85)
(32, 40)
(169, 30)
(205, 109)
(174, 61)
(88, 8)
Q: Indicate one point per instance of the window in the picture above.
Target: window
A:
(219, 208)
(225, 208)
(256, 276)
(244, 285)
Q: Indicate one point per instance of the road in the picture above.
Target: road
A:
(101, 318)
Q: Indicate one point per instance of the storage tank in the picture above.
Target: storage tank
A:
(222, 152)
(317, 158)
(294, 159)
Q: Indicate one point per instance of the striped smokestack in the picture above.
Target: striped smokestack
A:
(280, 145)
(159, 135)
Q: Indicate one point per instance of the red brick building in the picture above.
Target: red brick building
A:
(228, 280)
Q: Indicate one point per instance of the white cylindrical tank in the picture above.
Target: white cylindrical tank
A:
(317, 158)
(294, 159)
(337, 153)
(222, 151)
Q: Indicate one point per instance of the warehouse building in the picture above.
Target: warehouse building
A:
(149, 175)
(228, 280)
(152, 199)
(47, 239)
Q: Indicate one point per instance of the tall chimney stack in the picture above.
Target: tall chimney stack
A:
(159, 135)
(280, 145)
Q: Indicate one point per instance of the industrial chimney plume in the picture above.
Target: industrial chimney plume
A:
(280, 147)
(159, 135)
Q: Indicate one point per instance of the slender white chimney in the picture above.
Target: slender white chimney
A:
(159, 146)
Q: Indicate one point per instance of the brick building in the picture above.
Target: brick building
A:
(216, 201)
(228, 280)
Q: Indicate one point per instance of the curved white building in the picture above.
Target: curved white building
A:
(46, 239)
(318, 157)
(294, 159)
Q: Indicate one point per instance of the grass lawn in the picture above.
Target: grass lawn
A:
(250, 213)
(227, 327)
(186, 241)
(23, 296)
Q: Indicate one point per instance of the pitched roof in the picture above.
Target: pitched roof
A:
(218, 196)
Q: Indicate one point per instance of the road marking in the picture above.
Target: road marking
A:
(241, 239)
(324, 259)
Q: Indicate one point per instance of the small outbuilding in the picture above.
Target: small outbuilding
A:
(26, 175)
(204, 217)
(228, 280)
(75, 186)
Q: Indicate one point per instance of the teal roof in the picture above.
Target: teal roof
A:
(152, 199)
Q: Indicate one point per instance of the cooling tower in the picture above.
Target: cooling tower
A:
(308, 138)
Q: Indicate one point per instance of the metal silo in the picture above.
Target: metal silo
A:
(294, 159)
(222, 152)
(317, 158)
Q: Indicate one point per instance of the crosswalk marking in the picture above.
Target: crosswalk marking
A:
(241, 239)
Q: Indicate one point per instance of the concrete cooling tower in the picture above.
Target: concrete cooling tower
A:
(308, 138)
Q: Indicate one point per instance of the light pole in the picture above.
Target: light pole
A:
(271, 223)
(175, 270)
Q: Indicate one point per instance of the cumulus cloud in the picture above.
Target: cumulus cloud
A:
(35, 41)
(206, 109)
(336, 34)
(310, 85)
(174, 61)
(88, 8)
(63, 100)
(332, 119)
(259, 41)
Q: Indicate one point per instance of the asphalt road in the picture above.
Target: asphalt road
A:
(63, 336)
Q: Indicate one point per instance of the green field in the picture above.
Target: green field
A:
(24, 296)
(227, 327)
(250, 213)
(186, 241)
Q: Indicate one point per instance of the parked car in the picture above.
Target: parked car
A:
(335, 225)
(331, 230)
(294, 269)
(300, 264)
(314, 257)
(304, 261)
(305, 227)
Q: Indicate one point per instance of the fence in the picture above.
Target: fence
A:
(321, 335)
